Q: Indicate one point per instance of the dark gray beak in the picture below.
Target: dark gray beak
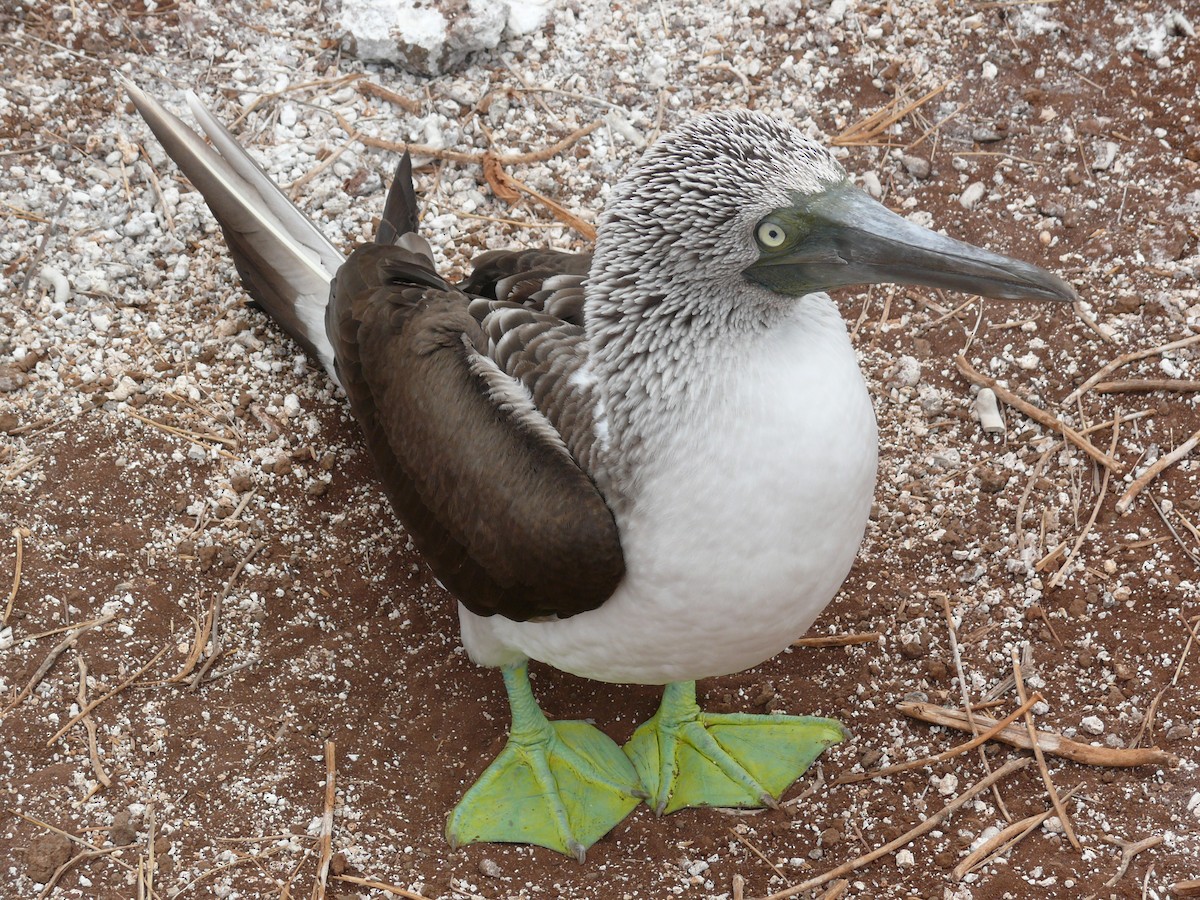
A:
(843, 237)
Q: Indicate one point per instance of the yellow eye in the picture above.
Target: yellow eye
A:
(771, 234)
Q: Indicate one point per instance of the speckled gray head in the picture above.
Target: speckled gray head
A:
(693, 202)
(738, 199)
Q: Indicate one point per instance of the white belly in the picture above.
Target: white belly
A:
(745, 525)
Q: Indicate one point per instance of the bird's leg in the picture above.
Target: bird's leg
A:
(562, 785)
(686, 757)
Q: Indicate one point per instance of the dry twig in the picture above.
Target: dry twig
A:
(928, 825)
(318, 892)
(371, 89)
(1059, 806)
(838, 640)
(1130, 385)
(120, 687)
(215, 615)
(1054, 744)
(90, 724)
(1128, 852)
(12, 595)
(1062, 569)
(1000, 843)
(1038, 415)
(48, 662)
(1155, 470)
(980, 739)
(867, 130)
(380, 886)
(1123, 360)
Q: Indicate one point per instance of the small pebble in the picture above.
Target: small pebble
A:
(972, 195)
(11, 378)
(489, 868)
(872, 185)
(917, 166)
(1092, 725)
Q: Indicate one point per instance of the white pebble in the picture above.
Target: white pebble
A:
(905, 859)
(988, 410)
(972, 195)
(871, 184)
(946, 785)
(1092, 725)
(989, 71)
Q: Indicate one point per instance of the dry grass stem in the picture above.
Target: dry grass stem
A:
(1130, 385)
(1189, 888)
(838, 640)
(1054, 744)
(154, 183)
(1188, 551)
(82, 856)
(200, 439)
(90, 724)
(956, 654)
(293, 189)
(215, 615)
(371, 89)
(507, 159)
(1124, 360)
(509, 189)
(1059, 806)
(78, 841)
(1001, 843)
(745, 842)
(318, 892)
(90, 623)
(120, 687)
(1161, 465)
(739, 887)
(1058, 576)
(1038, 415)
(928, 825)
(380, 886)
(16, 585)
(867, 130)
(51, 658)
(970, 745)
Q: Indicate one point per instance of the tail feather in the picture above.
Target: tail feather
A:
(400, 210)
(285, 262)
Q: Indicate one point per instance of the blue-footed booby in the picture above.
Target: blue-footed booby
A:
(652, 463)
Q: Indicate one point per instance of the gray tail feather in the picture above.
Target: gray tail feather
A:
(286, 264)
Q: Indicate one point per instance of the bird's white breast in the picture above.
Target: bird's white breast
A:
(750, 508)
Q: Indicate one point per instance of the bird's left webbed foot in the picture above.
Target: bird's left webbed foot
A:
(686, 757)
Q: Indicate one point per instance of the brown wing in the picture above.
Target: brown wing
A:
(504, 515)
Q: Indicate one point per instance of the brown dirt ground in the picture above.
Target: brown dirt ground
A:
(335, 632)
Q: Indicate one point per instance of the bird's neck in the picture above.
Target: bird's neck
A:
(662, 366)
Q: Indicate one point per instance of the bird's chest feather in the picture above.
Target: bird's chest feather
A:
(758, 495)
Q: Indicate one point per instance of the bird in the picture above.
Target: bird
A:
(650, 463)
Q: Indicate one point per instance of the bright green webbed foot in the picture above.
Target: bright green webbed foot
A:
(685, 757)
(562, 785)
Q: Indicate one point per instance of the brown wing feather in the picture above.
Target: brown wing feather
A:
(507, 520)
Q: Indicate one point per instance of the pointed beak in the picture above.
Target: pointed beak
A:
(846, 238)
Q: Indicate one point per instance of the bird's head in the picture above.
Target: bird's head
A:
(737, 197)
